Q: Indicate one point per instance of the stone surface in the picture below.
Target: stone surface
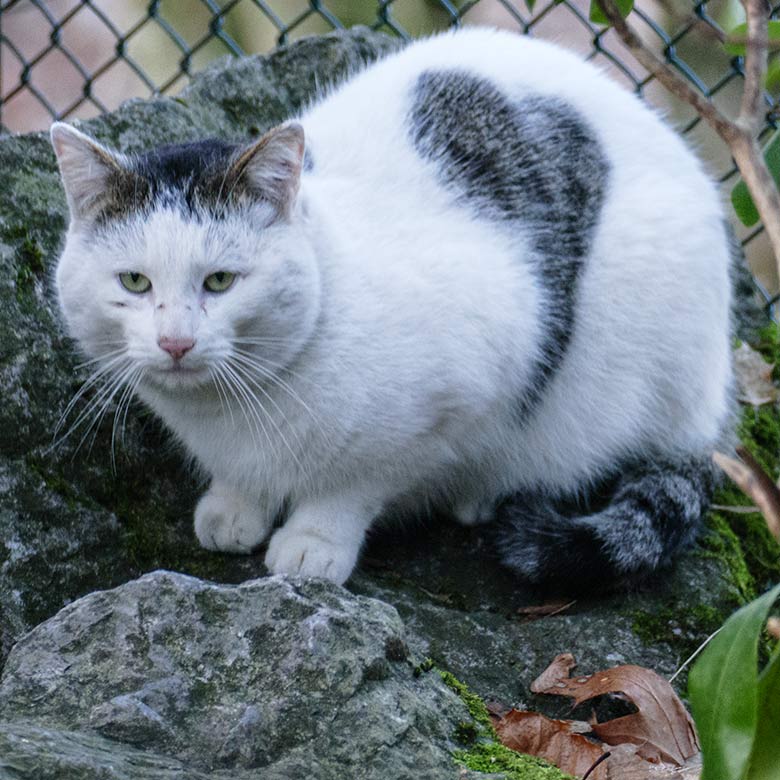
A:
(296, 679)
(90, 514)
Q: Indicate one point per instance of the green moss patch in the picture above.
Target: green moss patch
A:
(484, 752)
(495, 758)
(742, 539)
(474, 703)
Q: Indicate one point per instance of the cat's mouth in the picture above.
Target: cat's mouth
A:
(178, 376)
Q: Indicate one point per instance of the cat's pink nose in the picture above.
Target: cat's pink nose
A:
(176, 348)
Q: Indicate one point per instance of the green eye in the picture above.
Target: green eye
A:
(135, 283)
(219, 282)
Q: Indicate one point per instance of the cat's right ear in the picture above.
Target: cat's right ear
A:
(87, 169)
(271, 167)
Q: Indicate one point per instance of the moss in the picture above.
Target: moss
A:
(475, 705)
(29, 265)
(485, 753)
(679, 626)
(723, 544)
(743, 540)
(494, 758)
(768, 345)
(425, 666)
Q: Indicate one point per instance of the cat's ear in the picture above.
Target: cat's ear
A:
(87, 169)
(271, 167)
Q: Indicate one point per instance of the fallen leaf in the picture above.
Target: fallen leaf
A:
(661, 728)
(625, 764)
(754, 482)
(559, 669)
(496, 709)
(553, 740)
(754, 377)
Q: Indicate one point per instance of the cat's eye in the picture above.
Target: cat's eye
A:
(219, 281)
(135, 282)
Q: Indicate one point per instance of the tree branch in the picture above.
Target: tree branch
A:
(751, 115)
(739, 134)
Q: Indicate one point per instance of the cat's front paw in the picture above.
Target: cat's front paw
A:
(305, 553)
(226, 522)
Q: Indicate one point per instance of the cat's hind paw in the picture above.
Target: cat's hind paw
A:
(305, 553)
(474, 512)
(228, 523)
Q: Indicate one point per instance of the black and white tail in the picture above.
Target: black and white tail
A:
(653, 513)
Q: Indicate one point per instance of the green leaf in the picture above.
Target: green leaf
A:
(764, 761)
(597, 15)
(740, 195)
(772, 80)
(735, 43)
(724, 691)
(529, 4)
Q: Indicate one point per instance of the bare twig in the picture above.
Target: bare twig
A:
(755, 483)
(736, 510)
(695, 653)
(740, 133)
(741, 40)
(750, 117)
(602, 757)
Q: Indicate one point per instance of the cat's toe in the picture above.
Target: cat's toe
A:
(228, 525)
(307, 554)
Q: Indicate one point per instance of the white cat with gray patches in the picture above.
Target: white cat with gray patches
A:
(494, 282)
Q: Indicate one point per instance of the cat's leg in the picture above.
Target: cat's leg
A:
(323, 538)
(228, 521)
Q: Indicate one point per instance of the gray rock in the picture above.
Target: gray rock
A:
(299, 679)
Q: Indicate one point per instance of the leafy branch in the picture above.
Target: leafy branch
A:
(740, 133)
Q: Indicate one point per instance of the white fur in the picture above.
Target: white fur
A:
(411, 324)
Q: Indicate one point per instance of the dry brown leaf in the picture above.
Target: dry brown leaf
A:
(545, 610)
(496, 709)
(624, 764)
(661, 728)
(754, 482)
(754, 377)
(553, 740)
(559, 669)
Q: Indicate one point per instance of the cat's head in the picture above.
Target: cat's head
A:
(188, 260)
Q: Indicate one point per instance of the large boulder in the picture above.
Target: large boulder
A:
(296, 679)
(152, 679)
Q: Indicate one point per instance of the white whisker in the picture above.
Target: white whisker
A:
(251, 361)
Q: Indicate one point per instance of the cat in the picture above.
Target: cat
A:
(477, 275)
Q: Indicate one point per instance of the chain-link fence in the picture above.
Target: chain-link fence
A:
(77, 58)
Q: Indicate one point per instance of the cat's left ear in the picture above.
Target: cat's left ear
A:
(271, 167)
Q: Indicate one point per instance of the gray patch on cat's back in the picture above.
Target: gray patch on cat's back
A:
(532, 161)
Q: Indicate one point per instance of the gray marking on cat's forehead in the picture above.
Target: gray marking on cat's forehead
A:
(193, 177)
(533, 161)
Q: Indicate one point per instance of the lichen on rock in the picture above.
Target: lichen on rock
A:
(269, 674)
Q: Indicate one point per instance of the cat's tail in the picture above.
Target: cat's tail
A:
(653, 513)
